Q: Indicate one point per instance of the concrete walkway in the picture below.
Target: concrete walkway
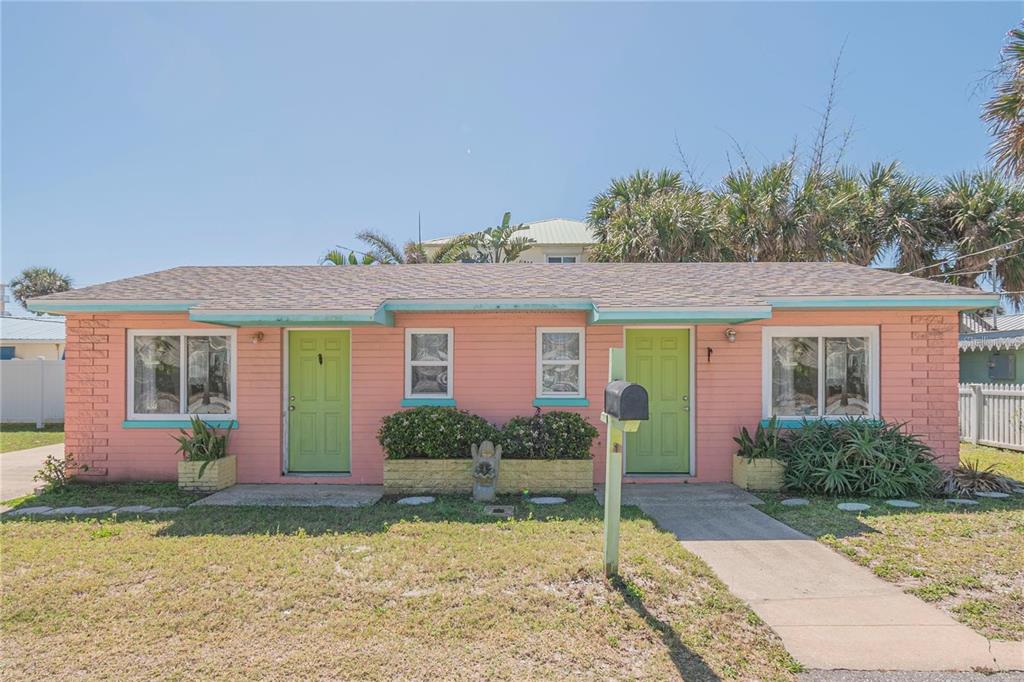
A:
(830, 613)
(293, 495)
(18, 467)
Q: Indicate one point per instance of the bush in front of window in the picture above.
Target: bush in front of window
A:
(858, 457)
(548, 435)
(433, 433)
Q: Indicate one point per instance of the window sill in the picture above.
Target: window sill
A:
(798, 422)
(176, 423)
(428, 402)
(561, 402)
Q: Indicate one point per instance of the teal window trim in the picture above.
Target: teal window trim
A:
(176, 423)
(798, 423)
(561, 402)
(428, 402)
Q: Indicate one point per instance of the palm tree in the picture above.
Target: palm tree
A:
(385, 251)
(625, 195)
(1004, 112)
(500, 244)
(337, 256)
(38, 281)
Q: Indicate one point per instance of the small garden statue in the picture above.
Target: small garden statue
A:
(486, 459)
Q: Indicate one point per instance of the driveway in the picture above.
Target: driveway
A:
(18, 467)
(829, 612)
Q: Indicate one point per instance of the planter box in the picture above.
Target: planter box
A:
(416, 476)
(758, 474)
(219, 474)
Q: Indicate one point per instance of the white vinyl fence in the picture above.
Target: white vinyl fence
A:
(992, 414)
(32, 391)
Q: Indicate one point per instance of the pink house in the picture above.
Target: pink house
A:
(304, 361)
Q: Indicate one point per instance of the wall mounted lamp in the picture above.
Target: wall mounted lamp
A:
(730, 335)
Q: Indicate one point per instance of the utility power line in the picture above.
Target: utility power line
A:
(968, 255)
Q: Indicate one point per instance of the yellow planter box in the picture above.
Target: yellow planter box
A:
(219, 474)
(758, 474)
(416, 476)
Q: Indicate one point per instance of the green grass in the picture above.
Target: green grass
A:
(23, 436)
(1007, 462)
(967, 561)
(442, 591)
(76, 494)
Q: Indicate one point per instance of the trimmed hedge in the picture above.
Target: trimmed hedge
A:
(433, 433)
(548, 435)
(448, 433)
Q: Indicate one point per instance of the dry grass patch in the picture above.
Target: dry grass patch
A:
(380, 592)
(968, 561)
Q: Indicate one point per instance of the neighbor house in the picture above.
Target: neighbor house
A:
(991, 349)
(557, 240)
(28, 338)
(306, 360)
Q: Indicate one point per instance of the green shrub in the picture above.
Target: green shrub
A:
(856, 457)
(433, 433)
(204, 444)
(766, 443)
(548, 435)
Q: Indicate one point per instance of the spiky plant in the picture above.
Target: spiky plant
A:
(970, 478)
(1004, 111)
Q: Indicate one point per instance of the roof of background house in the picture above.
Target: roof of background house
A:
(612, 285)
(975, 323)
(32, 329)
(551, 231)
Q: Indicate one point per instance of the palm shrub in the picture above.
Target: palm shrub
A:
(548, 435)
(856, 457)
(204, 444)
(433, 433)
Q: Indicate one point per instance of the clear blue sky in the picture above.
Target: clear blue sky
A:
(137, 137)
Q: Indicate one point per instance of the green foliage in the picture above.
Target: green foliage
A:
(1004, 111)
(970, 478)
(433, 433)
(38, 281)
(862, 458)
(340, 257)
(204, 444)
(766, 443)
(500, 244)
(548, 435)
(56, 472)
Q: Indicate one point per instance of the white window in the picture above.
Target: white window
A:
(820, 372)
(1002, 366)
(561, 259)
(177, 374)
(428, 363)
(560, 362)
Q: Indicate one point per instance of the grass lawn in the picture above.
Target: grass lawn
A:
(386, 591)
(969, 562)
(76, 494)
(23, 436)
(1007, 462)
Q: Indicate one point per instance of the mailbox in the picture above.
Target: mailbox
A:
(625, 401)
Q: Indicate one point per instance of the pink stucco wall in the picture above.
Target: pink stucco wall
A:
(494, 376)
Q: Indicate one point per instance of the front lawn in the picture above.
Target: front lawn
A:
(23, 436)
(1007, 462)
(78, 494)
(442, 591)
(967, 561)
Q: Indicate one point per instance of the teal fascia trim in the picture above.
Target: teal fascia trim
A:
(428, 402)
(289, 319)
(176, 423)
(561, 402)
(960, 302)
(678, 316)
(468, 306)
(794, 423)
(109, 307)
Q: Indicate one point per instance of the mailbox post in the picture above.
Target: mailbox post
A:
(625, 406)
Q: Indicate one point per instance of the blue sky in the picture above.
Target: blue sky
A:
(137, 137)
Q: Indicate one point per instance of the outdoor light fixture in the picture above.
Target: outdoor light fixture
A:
(730, 335)
(257, 337)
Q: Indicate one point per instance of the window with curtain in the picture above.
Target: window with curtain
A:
(560, 363)
(428, 356)
(178, 374)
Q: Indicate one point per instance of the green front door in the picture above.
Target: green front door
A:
(659, 360)
(318, 401)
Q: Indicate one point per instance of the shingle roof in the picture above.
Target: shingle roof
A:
(551, 231)
(613, 285)
(32, 328)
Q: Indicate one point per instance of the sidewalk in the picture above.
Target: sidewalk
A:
(829, 612)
